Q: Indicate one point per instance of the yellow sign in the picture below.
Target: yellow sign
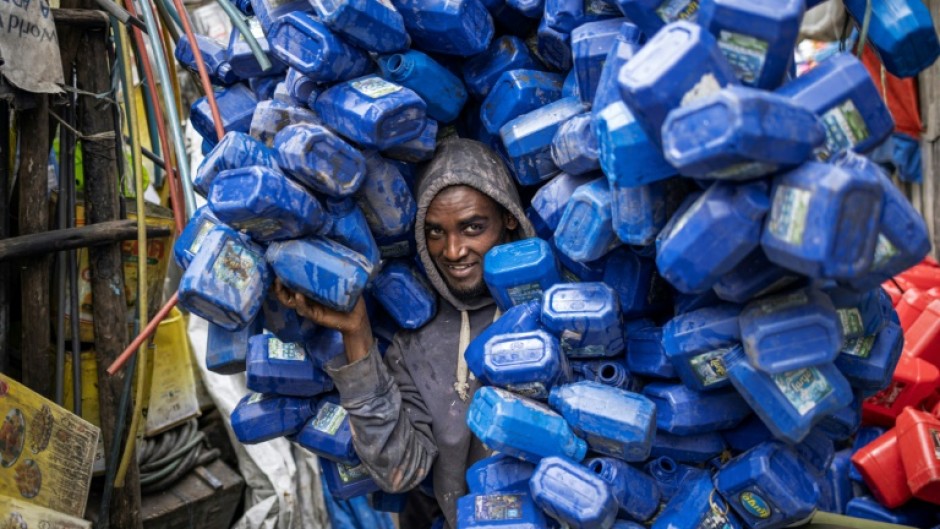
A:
(18, 514)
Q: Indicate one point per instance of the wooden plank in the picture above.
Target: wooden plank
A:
(5, 217)
(80, 18)
(73, 238)
(205, 498)
(107, 281)
(929, 89)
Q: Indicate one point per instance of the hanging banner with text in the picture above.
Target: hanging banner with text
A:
(29, 47)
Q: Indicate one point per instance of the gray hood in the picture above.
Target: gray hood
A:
(460, 161)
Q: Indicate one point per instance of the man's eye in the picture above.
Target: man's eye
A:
(474, 228)
(435, 233)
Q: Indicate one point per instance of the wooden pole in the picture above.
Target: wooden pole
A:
(74, 238)
(929, 88)
(107, 281)
(5, 212)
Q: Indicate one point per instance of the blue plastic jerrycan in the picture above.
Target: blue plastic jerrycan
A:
(327, 434)
(699, 448)
(520, 271)
(757, 37)
(235, 150)
(190, 239)
(860, 313)
(503, 54)
(791, 331)
(372, 25)
(442, 91)
(528, 8)
(614, 422)
(283, 368)
(308, 46)
(284, 322)
(387, 502)
(585, 317)
(323, 270)
(585, 231)
(690, 253)
(575, 272)
(419, 149)
(464, 27)
(567, 15)
(529, 364)
(768, 487)
(264, 87)
(574, 147)
(913, 514)
(326, 346)
(495, 509)
(817, 451)
(347, 481)
(385, 198)
(226, 280)
(652, 15)
(636, 493)
(517, 92)
(823, 221)
(868, 362)
(372, 112)
(670, 475)
(267, 12)
(300, 89)
(521, 427)
(351, 229)
(570, 87)
(622, 48)
(572, 494)
(281, 94)
(549, 202)
(627, 154)
(405, 294)
(682, 411)
(645, 353)
(553, 47)
(696, 504)
(528, 140)
(836, 491)
(681, 64)
(844, 422)
(320, 159)
(271, 116)
(639, 213)
(518, 319)
(243, 61)
(789, 403)
(740, 133)
(635, 281)
(697, 341)
(611, 372)
(265, 204)
(258, 418)
(499, 473)
(213, 56)
(226, 351)
(753, 277)
(590, 44)
(902, 32)
(750, 433)
(841, 92)
(236, 107)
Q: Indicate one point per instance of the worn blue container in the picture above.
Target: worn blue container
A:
(697, 341)
(326, 346)
(585, 231)
(520, 271)
(351, 229)
(226, 280)
(837, 491)
(614, 422)
(636, 493)
(611, 372)
(494, 509)
(405, 294)
(372, 112)
(503, 54)
(281, 94)
(518, 319)
(271, 116)
(767, 487)
(572, 494)
(843, 423)
(321, 269)
(243, 61)
(567, 15)
(638, 213)
(553, 46)
(913, 514)
(574, 147)
(550, 201)
(346, 481)
(696, 504)
(499, 473)
(300, 88)
(757, 38)
(585, 317)
(740, 133)
(691, 254)
(190, 239)
(264, 87)
(528, 140)
(320, 159)
(517, 92)
(841, 92)
(681, 64)
(575, 272)
(419, 149)
(902, 32)
(748, 434)
(462, 27)
(699, 448)
(385, 198)
(824, 221)
(646, 356)
(634, 280)
(652, 15)
(789, 403)
(284, 322)
(670, 475)
(817, 451)
(528, 8)
(372, 25)
(860, 313)
(273, 366)
(327, 433)
(590, 44)
(258, 418)
(753, 277)
(791, 331)
(388, 502)
(267, 12)
(226, 350)
(868, 362)
(441, 90)
(308, 46)
(214, 55)
(236, 107)
(521, 427)
(682, 411)
(529, 364)
(570, 88)
(235, 150)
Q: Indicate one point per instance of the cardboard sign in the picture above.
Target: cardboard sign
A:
(29, 46)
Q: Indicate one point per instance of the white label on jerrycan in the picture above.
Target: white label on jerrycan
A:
(278, 350)
(804, 388)
(375, 87)
(493, 507)
(746, 54)
(329, 418)
(845, 127)
(672, 10)
(788, 214)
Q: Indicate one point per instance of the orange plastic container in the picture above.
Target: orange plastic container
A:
(913, 382)
(918, 436)
(912, 305)
(880, 465)
(922, 338)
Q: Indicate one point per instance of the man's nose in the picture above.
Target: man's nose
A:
(455, 249)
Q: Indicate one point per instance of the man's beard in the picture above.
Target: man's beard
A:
(470, 293)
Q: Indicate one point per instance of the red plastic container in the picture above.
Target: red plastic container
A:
(912, 305)
(922, 339)
(923, 276)
(880, 465)
(892, 291)
(913, 382)
(918, 436)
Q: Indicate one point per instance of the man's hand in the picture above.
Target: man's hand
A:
(354, 325)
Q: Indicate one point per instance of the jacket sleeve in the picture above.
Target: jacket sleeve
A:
(390, 422)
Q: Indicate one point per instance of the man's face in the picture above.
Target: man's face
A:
(461, 225)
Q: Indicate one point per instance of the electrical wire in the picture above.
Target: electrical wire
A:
(171, 20)
(203, 71)
(166, 458)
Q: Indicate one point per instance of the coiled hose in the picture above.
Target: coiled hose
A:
(166, 458)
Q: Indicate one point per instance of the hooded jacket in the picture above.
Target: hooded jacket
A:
(408, 412)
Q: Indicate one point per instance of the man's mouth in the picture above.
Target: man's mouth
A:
(460, 270)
